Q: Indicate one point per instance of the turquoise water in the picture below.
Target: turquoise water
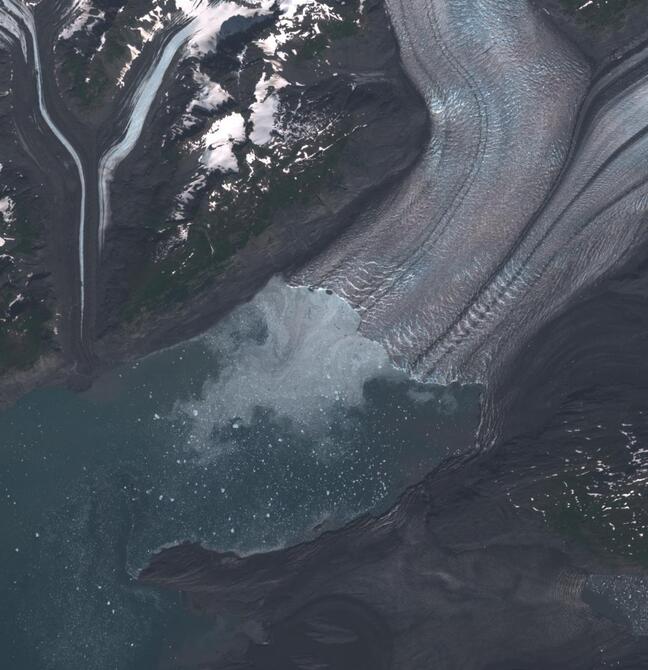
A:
(227, 440)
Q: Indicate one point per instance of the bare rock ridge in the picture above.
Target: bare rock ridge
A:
(495, 266)
(349, 125)
(436, 582)
(220, 144)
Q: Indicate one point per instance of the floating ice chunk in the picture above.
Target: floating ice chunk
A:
(265, 109)
(17, 300)
(220, 140)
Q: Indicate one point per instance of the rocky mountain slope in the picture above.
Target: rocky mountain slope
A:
(210, 146)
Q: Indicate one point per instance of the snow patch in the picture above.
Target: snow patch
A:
(293, 14)
(269, 45)
(195, 186)
(210, 95)
(81, 16)
(7, 210)
(220, 140)
(9, 28)
(207, 20)
(153, 24)
(290, 8)
(134, 52)
(264, 110)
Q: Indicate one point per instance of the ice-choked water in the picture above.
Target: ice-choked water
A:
(281, 418)
(295, 352)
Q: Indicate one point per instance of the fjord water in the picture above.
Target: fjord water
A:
(279, 423)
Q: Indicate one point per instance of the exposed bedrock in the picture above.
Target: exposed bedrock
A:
(39, 215)
(530, 189)
(169, 274)
(468, 569)
(435, 583)
(130, 111)
(604, 30)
